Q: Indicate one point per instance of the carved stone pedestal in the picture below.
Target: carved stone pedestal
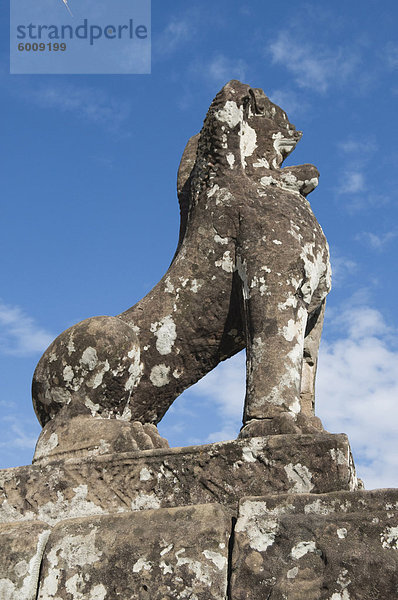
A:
(275, 517)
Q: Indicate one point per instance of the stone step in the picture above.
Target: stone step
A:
(162, 478)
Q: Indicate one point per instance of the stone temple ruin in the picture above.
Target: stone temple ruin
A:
(107, 510)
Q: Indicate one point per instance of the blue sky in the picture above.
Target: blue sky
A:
(89, 214)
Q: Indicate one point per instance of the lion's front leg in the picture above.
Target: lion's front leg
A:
(275, 319)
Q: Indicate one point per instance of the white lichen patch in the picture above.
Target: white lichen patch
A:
(213, 190)
(145, 502)
(142, 565)
(160, 375)
(216, 558)
(69, 552)
(231, 160)
(78, 506)
(260, 283)
(300, 476)
(94, 408)
(27, 589)
(196, 284)
(339, 456)
(302, 548)
(166, 550)
(257, 524)
(389, 538)
(268, 180)
(165, 567)
(89, 358)
(248, 142)
(201, 571)
(290, 302)
(68, 373)
(220, 240)
(344, 595)
(291, 330)
(165, 333)
(230, 114)
(226, 262)
(145, 474)
(292, 573)
(71, 345)
(252, 449)
(75, 584)
(316, 266)
(169, 287)
(317, 507)
(261, 163)
(96, 380)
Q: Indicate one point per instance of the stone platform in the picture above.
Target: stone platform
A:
(164, 478)
(278, 518)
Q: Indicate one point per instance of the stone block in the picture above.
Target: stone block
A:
(337, 546)
(21, 550)
(160, 478)
(166, 554)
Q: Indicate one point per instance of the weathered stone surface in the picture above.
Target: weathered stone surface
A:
(85, 435)
(338, 546)
(251, 270)
(21, 550)
(168, 554)
(223, 472)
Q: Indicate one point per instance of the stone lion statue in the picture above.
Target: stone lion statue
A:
(251, 271)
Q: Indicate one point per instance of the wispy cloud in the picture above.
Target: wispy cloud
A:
(289, 101)
(83, 102)
(219, 69)
(352, 183)
(342, 268)
(377, 242)
(358, 193)
(312, 66)
(19, 333)
(178, 32)
(18, 433)
(391, 55)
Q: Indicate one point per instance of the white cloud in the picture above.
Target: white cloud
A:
(357, 391)
(86, 103)
(358, 149)
(19, 334)
(178, 32)
(289, 101)
(391, 55)
(222, 69)
(15, 434)
(226, 386)
(352, 183)
(219, 70)
(342, 268)
(377, 242)
(312, 66)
